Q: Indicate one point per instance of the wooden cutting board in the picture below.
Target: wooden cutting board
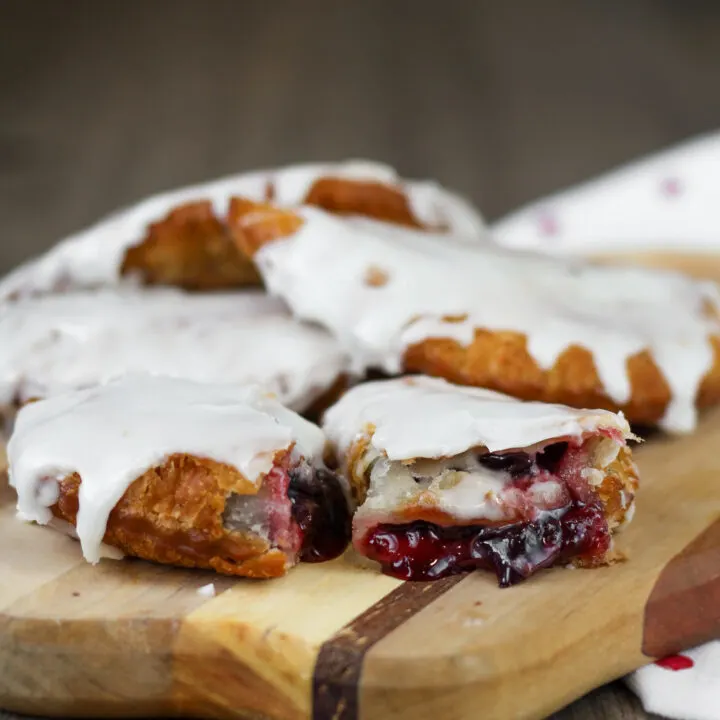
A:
(701, 265)
(127, 638)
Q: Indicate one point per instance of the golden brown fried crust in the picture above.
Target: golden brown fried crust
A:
(173, 514)
(359, 476)
(501, 361)
(192, 249)
(618, 488)
(254, 224)
(355, 197)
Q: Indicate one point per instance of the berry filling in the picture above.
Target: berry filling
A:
(538, 527)
(426, 551)
(321, 512)
(301, 510)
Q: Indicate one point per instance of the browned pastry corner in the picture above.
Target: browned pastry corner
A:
(356, 197)
(193, 249)
(255, 224)
(190, 248)
(621, 476)
(176, 514)
(500, 361)
(620, 482)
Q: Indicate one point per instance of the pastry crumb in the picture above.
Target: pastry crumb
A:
(376, 277)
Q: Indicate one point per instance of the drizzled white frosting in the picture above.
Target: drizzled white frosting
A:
(63, 342)
(322, 271)
(421, 433)
(424, 417)
(667, 201)
(110, 435)
(94, 256)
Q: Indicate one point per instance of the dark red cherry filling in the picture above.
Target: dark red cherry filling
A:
(552, 456)
(515, 463)
(546, 536)
(425, 551)
(301, 510)
(321, 511)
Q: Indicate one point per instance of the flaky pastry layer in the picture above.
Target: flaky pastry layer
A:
(173, 514)
(192, 248)
(500, 361)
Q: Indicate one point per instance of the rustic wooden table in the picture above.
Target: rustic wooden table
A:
(102, 103)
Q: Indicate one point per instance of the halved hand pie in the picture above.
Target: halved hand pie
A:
(205, 476)
(451, 479)
(181, 238)
(644, 342)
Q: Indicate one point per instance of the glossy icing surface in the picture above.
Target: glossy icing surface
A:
(74, 340)
(93, 257)
(423, 417)
(327, 272)
(110, 435)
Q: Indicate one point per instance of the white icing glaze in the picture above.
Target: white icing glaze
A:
(413, 419)
(321, 271)
(93, 257)
(110, 435)
(665, 201)
(62, 342)
(423, 417)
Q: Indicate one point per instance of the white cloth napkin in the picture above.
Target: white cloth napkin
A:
(685, 686)
(668, 201)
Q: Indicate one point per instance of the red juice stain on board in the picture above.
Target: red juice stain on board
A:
(676, 662)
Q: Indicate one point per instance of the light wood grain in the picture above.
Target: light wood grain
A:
(282, 627)
(702, 265)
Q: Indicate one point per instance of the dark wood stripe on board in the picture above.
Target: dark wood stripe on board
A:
(336, 679)
(682, 610)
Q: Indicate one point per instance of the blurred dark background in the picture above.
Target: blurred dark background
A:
(103, 101)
